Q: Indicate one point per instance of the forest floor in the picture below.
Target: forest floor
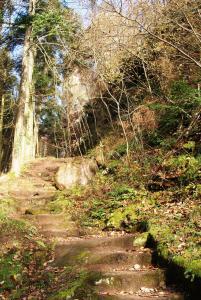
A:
(39, 223)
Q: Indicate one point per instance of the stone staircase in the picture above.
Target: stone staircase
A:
(124, 271)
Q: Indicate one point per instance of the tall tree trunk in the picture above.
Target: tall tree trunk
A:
(24, 139)
(1, 129)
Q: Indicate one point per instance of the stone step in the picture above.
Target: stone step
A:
(102, 268)
(41, 172)
(54, 225)
(165, 295)
(106, 259)
(124, 241)
(42, 184)
(48, 219)
(59, 233)
(120, 257)
(100, 243)
(130, 281)
(34, 197)
(33, 205)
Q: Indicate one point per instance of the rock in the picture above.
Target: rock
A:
(141, 240)
(137, 267)
(147, 290)
(76, 171)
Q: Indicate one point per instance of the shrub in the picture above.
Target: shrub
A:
(178, 111)
(186, 167)
(119, 151)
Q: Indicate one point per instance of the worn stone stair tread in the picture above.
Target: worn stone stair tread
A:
(120, 256)
(119, 260)
(43, 168)
(34, 195)
(120, 242)
(106, 259)
(33, 191)
(59, 233)
(115, 267)
(167, 296)
(130, 281)
(54, 225)
(47, 218)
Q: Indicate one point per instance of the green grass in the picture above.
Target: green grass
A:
(7, 206)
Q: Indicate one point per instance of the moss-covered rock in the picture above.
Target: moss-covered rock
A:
(123, 217)
(141, 240)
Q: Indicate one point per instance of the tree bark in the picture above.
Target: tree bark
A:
(1, 129)
(24, 138)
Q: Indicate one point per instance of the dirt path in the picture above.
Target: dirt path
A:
(124, 272)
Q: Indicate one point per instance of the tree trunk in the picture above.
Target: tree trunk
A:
(24, 139)
(1, 129)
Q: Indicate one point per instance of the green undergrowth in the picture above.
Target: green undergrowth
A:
(121, 199)
(61, 203)
(26, 271)
(75, 284)
(64, 200)
(174, 225)
(22, 258)
(7, 206)
(185, 167)
(171, 215)
(103, 204)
